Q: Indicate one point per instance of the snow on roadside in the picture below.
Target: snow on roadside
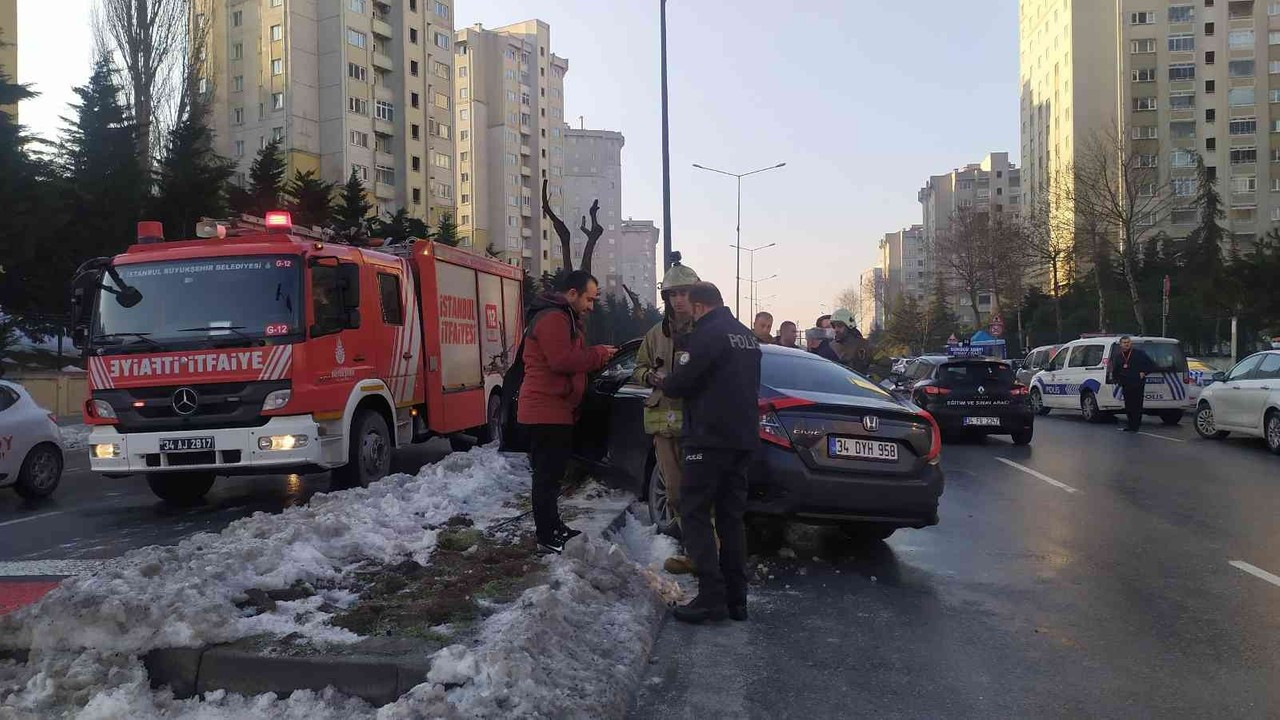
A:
(75, 436)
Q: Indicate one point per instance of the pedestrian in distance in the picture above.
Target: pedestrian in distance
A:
(557, 361)
(787, 334)
(1128, 368)
(664, 415)
(719, 378)
(762, 327)
(819, 339)
(851, 348)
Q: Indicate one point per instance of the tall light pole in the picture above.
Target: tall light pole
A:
(755, 291)
(666, 150)
(737, 270)
(753, 252)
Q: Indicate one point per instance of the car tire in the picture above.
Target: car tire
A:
(1171, 417)
(492, 428)
(181, 488)
(368, 452)
(1023, 436)
(41, 472)
(660, 511)
(1271, 430)
(867, 532)
(459, 444)
(1204, 423)
(1089, 408)
(1037, 402)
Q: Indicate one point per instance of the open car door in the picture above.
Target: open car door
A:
(610, 438)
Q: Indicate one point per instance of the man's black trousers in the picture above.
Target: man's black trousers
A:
(549, 452)
(1133, 393)
(716, 479)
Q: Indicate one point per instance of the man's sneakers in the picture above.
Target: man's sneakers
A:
(678, 565)
(702, 609)
(555, 543)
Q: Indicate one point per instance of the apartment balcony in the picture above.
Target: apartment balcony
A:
(526, 211)
(526, 232)
(383, 61)
(385, 159)
(525, 150)
(384, 191)
(384, 93)
(384, 127)
(526, 171)
(382, 27)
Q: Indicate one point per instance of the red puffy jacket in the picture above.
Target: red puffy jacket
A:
(556, 363)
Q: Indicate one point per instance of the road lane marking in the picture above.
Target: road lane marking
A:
(1162, 437)
(1256, 571)
(31, 517)
(48, 568)
(1037, 474)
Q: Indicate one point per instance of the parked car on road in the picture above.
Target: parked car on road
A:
(1244, 400)
(976, 397)
(30, 444)
(1076, 379)
(835, 448)
(1036, 360)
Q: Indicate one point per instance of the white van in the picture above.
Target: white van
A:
(1076, 379)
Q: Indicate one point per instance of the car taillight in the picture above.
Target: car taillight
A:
(771, 430)
(935, 390)
(935, 442)
(1019, 390)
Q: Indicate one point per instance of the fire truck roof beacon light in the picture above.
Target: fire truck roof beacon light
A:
(279, 219)
(150, 231)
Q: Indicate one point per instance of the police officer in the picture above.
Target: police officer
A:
(1128, 368)
(719, 379)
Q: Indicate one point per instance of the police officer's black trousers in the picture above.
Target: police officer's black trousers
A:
(716, 479)
(1133, 403)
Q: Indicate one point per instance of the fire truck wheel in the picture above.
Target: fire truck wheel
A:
(181, 488)
(369, 457)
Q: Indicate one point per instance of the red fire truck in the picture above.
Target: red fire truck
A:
(263, 348)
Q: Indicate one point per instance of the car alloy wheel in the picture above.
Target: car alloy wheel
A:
(1089, 407)
(45, 469)
(660, 510)
(1037, 402)
(1273, 431)
(1204, 422)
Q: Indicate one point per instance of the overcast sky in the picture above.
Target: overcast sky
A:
(862, 100)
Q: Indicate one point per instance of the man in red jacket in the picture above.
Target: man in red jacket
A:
(556, 363)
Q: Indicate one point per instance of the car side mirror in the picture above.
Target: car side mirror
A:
(1219, 376)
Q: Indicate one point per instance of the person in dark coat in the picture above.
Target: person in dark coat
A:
(819, 339)
(1128, 368)
(557, 361)
(719, 379)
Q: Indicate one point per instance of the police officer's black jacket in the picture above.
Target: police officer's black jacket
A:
(1128, 370)
(719, 378)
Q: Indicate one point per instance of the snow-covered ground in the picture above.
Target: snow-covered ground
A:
(571, 648)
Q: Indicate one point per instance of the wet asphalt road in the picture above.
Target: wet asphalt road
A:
(1107, 595)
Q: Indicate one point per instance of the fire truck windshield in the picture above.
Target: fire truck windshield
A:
(198, 303)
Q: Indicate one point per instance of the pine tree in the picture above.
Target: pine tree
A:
(447, 232)
(397, 228)
(309, 199)
(939, 319)
(266, 181)
(191, 179)
(351, 215)
(902, 330)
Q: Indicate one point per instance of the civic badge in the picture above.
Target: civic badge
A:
(340, 353)
(871, 423)
(185, 401)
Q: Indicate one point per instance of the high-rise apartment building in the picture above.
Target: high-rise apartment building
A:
(344, 85)
(9, 47)
(593, 171)
(993, 186)
(510, 119)
(637, 259)
(905, 262)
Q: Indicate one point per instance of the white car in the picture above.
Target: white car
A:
(1244, 400)
(30, 444)
(1076, 379)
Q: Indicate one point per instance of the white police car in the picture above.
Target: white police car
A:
(1076, 379)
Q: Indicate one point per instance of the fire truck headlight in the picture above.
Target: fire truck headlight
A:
(106, 451)
(282, 442)
(103, 410)
(276, 399)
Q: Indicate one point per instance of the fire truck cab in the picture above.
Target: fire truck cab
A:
(260, 348)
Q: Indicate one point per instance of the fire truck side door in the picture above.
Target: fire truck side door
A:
(340, 349)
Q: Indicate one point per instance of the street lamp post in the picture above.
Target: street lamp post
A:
(752, 279)
(755, 288)
(737, 270)
(666, 151)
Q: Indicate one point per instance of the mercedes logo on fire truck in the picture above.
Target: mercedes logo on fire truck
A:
(185, 401)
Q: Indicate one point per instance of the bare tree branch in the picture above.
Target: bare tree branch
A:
(562, 230)
(964, 250)
(593, 235)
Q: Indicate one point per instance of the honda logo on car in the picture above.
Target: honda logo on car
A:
(457, 320)
(871, 423)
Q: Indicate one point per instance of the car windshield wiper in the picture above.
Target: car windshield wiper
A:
(141, 336)
(211, 328)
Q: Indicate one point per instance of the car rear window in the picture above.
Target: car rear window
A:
(1167, 356)
(974, 373)
(810, 373)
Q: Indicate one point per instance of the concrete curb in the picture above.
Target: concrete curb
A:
(378, 680)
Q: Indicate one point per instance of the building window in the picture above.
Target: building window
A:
(1275, 126)
(413, 68)
(1275, 96)
(1142, 18)
(413, 35)
(442, 10)
(1144, 103)
(413, 5)
(237, 51)
(415, 131)
(415, 163)
(1244, 184)
(1182, 71)
(441, 70)
(510, 159)
(1182, 14)
(1182, 129)
(464, 135)
(1208, 28)
(444, 130)
(1240, 68)
(417, 196)
(357, 72)
(237, 83)
(1240, 39)
(442, 41)
(1183, 186)
(277, 33)
(1273, 67)
(442, 190)
(384, 110)
(1185, 42)
(358, 105)
(464, 156)
(277, 101)
(360, 171)
(464, 93)
(1273, 8)
(1184, 216)
(277, 3)
(1275, 184)
(357, 6)
(1144, 75)
(1244, 155)
(237, 116)
(464, 114)
(355, 37)
(237, 17)
(1237, 97)
(1144, 132)
(360, 139)
(239, 148)
(1209, 57)
(1183, 159)
(511, 96)
(1144, 161)
(441, 160)
(384, 174)
(442, 102)
(277, 66)
(1243, 126)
